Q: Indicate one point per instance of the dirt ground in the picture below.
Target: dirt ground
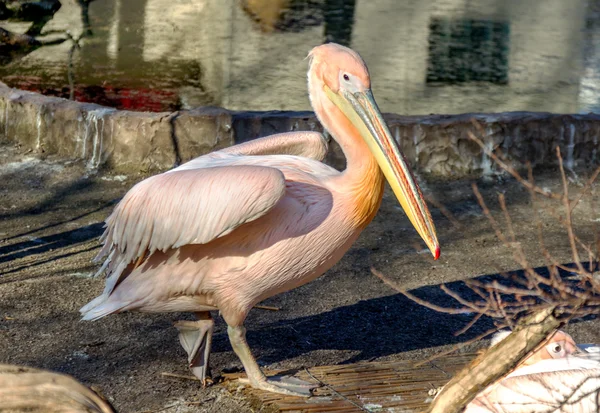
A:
(51, 215)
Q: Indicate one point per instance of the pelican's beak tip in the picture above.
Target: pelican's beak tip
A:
(436, 253)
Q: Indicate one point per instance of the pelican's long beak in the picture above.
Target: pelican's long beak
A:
(361, 109)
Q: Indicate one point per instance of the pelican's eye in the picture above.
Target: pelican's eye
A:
(349, 82)
(556, 348)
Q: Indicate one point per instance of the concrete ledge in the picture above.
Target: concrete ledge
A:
(133, 141)
(105, 137)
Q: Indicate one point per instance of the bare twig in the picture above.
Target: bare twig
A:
(167, 407)
(585, 189)
(415, 298)
(180, 376)
(334, 391)
(567, 205)
(511, 170)
(444, 211)
(456, 348)
(469, 324)
(267, 307)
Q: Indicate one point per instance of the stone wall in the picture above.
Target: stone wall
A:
(133, 141)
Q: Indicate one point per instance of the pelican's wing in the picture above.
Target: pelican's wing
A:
(308, 144)
(311, 145)
(189, 207)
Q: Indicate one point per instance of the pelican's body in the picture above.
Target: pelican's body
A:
(231, 228)
(553, 379)
(303, 235)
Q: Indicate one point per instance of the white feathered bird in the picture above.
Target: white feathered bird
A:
(556, 378)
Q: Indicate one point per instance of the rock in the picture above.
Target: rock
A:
(201, 130)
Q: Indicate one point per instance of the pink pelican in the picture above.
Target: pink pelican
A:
(559, 345)
(234, 227)
(555, 378)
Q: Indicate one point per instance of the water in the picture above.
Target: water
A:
(425, 56)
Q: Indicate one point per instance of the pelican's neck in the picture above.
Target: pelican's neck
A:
(360, 162)
(362, 179)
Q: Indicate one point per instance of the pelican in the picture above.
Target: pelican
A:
(559, 345)
(555, 378)
(229, 229)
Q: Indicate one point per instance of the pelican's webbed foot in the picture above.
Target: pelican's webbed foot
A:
(196, 338)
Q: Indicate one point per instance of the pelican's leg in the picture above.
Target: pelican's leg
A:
(284, 385)
(196, 338)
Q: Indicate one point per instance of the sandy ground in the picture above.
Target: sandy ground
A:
(51, 215)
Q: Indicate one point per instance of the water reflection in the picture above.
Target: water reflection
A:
(339, 19)
(15, 45)
(37, 12)
(467, 50)
(426, 56)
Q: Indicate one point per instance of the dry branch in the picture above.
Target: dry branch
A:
(24, 389)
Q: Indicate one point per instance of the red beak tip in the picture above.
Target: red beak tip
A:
(436, 254)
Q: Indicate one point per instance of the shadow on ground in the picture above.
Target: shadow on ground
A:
(383, 326)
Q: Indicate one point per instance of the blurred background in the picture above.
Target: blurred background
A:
(425, 56)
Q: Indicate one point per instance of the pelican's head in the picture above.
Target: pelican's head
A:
(559, 345)
(339, 77)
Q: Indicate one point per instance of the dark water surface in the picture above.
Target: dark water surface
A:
(425, 56)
